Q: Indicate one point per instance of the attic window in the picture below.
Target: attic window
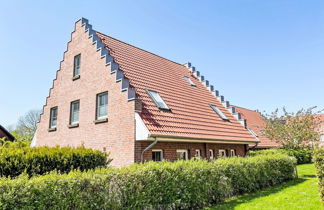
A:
(157, 99)
(189, 81)
(252, 132)
(219, 112)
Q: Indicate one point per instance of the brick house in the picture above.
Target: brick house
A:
(118, 98)
(320, 129)
(254, 123)
(6, 134)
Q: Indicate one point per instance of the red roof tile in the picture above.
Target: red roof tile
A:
(190, 116)
(254, 121)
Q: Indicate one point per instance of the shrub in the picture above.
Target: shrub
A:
(179, 185)
(14, 161)
(319, 164)
(302, 155)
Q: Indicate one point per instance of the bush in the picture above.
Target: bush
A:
(179, 185)
(319, 164)
(14, 161)
(302, 155)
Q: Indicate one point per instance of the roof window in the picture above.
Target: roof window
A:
(219, 112)
(158, 99)
(189, 81)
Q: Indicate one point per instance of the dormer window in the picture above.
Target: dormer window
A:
(158, 99)
(219, 112)
(76, 66)
(190, 81)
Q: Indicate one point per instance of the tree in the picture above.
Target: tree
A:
(293, 130)
(27, 125)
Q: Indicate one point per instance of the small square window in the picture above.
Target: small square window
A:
(182, 154)
(190, 81)
(157, 99)
(157, 155)
(219, 112)
(222, 153)
(77, 65)
(53, 117)
(75, 109)
(211, 154)
(102, 105)
(197, 153)
(233, 152)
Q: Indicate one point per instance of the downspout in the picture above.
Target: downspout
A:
(147, 148)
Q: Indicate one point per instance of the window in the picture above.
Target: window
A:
(197, 154)
(219, 112)
(190, 81)
(322, 138)
(53, 117)
(157, 155)
(157, 99)
(182, 154)
(102, 105)
(252, 132)
(75, 108)
(211, 154)
(232, 152)
(222, 153)
(77, 64)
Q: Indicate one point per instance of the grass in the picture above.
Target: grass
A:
(301, 193)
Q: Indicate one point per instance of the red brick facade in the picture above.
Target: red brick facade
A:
(118, 135)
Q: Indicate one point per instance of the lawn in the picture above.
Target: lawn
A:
(301, 193)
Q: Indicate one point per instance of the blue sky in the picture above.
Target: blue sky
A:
(259, 54)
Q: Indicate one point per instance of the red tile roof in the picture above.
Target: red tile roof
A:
(190, 116)
(254, 121)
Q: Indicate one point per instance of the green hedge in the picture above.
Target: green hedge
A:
(179, 185)
(302, 155)
(15, 161)
(319, 164)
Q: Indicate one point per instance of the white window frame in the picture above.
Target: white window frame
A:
(190, 81)
(233, 153)
(185, 151)
(52, 118)
(211, 154)
(322, 138)
(197, 153)
(76, 68)
(158, 150)
(98, 106)
(72, 113)
(219, 112)
(220, 153)
(157, 99)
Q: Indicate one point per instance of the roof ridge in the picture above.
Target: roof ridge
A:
(245, 108)
(139, 48)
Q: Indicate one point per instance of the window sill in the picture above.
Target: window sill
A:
(76, 77)
(51, 129)
(73, 125)
(100, 121)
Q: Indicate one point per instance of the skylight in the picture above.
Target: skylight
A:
(190, 81)
(252, 132)
(157, 99)
(219, 112)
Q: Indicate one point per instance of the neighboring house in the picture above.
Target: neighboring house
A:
(321, 128)
(115, 97)
(255, 124)
(6, 134)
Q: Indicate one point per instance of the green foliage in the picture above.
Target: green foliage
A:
(16, 159)
(319, 164)
(153, 185)
(293, 130)
(302, 155)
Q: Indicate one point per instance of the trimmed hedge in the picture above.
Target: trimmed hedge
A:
(302, 155)
(179, 185)
(319, 164)
(41, 160)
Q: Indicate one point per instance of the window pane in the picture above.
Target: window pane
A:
(182, 155)
(53, 117)
(102, 105)
(77, 62)
(190, 81)
(75, 108)
(219, 112)
(157, 156)
(157, 99)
